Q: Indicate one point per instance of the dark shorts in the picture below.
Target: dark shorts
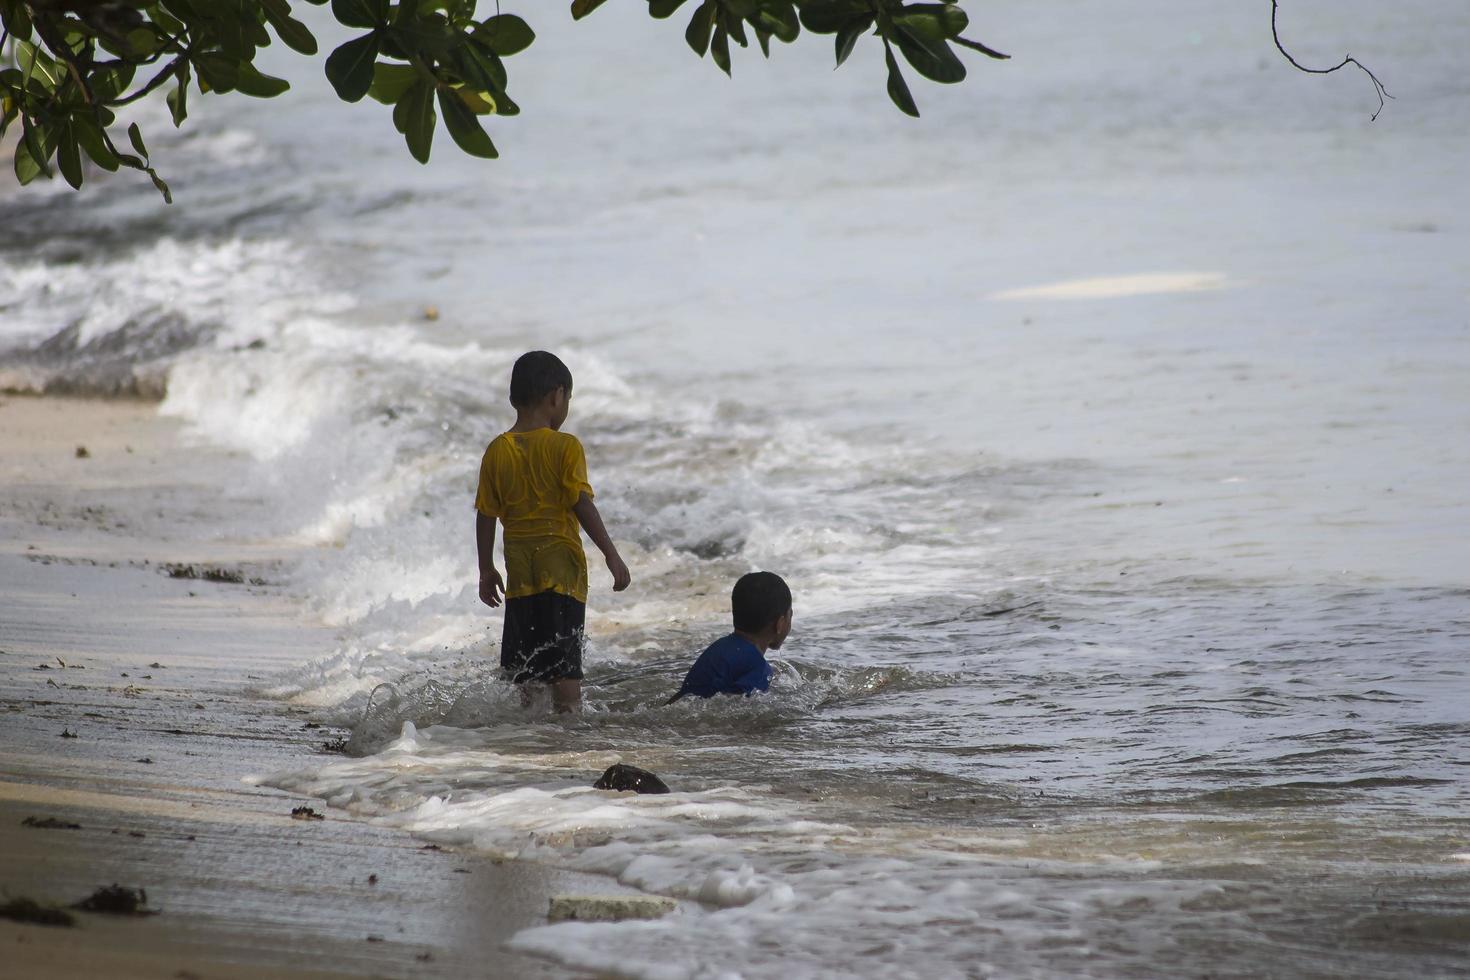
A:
(543, 638)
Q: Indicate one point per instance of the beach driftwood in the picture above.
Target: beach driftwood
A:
(622, 777)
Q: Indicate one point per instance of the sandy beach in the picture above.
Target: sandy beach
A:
(129, 632)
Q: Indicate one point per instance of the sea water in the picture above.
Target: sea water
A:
(1111, 424)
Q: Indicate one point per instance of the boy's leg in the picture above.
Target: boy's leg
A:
(566, 695)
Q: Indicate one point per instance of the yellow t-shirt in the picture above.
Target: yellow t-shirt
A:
(530, 481)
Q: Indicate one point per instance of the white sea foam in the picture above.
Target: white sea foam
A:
(901, 902)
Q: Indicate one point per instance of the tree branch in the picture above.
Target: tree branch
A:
(155, 81)
(1348, 60)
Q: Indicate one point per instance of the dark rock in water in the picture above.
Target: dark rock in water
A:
(621, 777)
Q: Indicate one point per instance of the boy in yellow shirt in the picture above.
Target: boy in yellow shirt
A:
(533, 479)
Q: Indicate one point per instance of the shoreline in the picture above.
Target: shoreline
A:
(123, 710)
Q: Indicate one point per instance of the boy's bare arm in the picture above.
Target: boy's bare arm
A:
(591, 522)
(491, 586)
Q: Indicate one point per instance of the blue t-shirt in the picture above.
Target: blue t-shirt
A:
(731, 665)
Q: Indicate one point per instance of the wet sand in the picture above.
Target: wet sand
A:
(123, 710)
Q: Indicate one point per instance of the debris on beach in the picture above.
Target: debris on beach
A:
(212, 573)
(31, 911)
(145, 760)
(306, 813)
(608, 908)
(49, 823)
(623, 777)
(116, 900)
(82, 453)
(337, 746)
(68, 733)
(156, 665)
(372, 879)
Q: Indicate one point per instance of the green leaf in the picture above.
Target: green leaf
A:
(407, 10)
(217, 72)
(898, 89)
(430, 35)
(135, 136)
(142, 42)
(415, 118)
(463, 127)
(736, 28)
(350, 67)
(165, 20)
(289, 29)
(664, 8)
(89, 135)
(948, 20)
(848, 36)
(932, 59)
(361, 13)
(977, 46)
(38, 66)
(32, 153)
(230, 33)
(168, 197)
(253, 82)
(391, 81)
(828, 18)
(780, 19)
(700, 26)
(763, 37)
(487, 64)
(581, 8)
(17, 19)
(505, 34)
(110, 80)
(505, 106)
(69, 157)
(480, 103)
(719, 49)
(178, 98)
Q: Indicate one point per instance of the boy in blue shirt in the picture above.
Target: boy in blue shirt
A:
(736, 664)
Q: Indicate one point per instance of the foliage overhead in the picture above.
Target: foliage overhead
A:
(72, 63)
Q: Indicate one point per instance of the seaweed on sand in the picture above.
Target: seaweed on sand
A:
(31, 911)
(116, 900)
(49, 823)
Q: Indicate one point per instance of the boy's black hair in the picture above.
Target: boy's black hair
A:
(537, 374)
(758, 600)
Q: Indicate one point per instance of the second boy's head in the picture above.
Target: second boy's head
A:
(761, 603)
(539, 377)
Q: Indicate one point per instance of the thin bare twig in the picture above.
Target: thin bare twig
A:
(1348, 60)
